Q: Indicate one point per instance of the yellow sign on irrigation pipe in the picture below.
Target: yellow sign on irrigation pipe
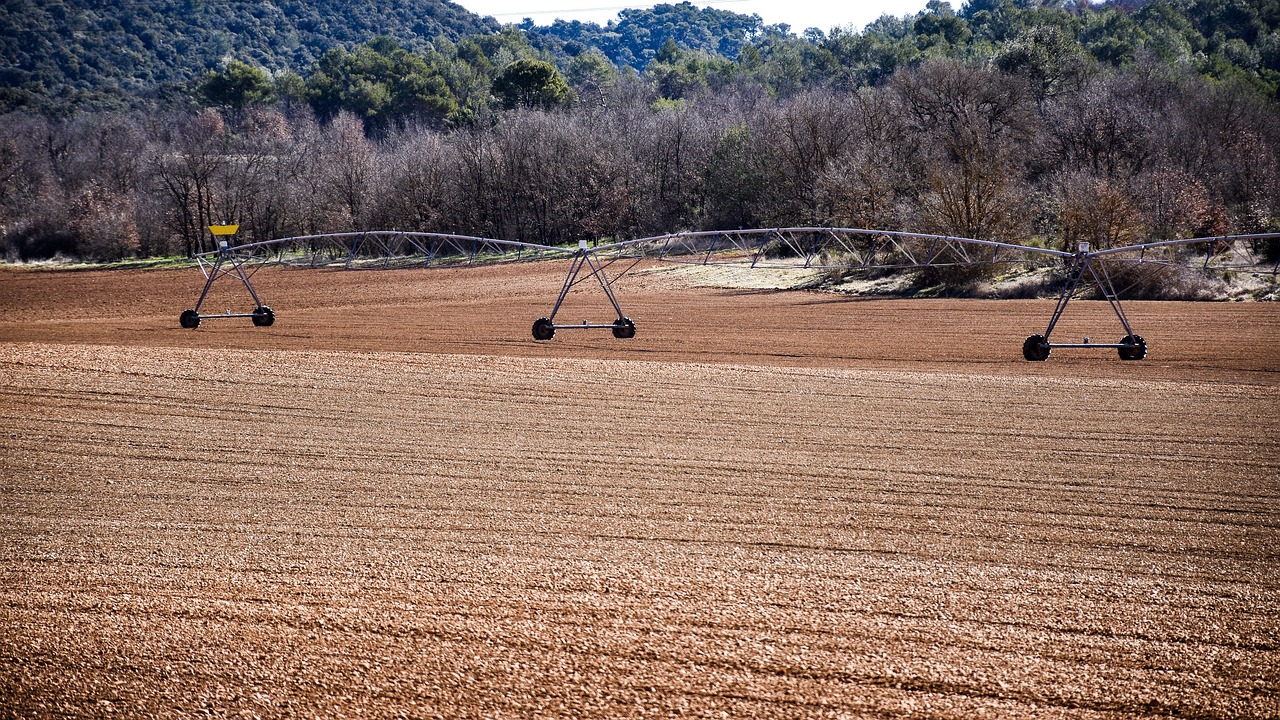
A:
(224, 229)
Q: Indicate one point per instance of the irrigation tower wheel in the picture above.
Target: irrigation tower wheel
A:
(1036, 348)
(543, 329)
(624, 328)
(1135, 348)
(263, 316)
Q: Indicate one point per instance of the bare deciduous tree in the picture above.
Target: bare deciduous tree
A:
(973, 122)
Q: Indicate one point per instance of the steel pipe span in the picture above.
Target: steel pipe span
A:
(864, 249)
(384, 248)
(793, 247)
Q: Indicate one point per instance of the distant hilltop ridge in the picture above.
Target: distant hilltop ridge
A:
(129, 47)
(61, 55)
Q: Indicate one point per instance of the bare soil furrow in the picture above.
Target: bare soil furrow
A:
(392, 503)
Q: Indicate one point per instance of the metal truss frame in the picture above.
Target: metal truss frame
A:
(815, 248)
(827, 248)
(225, 263)
(1131, 347)
(394, 249)
(383, 249)
(623, 327)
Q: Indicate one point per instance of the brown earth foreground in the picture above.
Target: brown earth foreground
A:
(394, 503)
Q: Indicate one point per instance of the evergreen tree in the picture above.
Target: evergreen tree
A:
(532, 84)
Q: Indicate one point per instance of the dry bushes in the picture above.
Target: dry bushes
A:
(1150, 281)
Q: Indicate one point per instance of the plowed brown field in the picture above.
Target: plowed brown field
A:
(395, 503)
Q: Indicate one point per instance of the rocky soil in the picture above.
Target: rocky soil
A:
(395, 503)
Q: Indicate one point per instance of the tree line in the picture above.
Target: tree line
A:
(1239, 39)
(1003, 149)
(61, 56)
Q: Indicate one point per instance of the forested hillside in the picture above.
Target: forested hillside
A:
(635, 38)
(1005, 120)
(65, 54)
(87, 52)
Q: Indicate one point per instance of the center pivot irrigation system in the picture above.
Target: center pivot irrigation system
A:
(818, 248)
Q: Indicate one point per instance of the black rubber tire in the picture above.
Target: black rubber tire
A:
(1036, 349)
(543, 329)
(1135, 347)
(623, 328)
(263, 316)
(189, 319)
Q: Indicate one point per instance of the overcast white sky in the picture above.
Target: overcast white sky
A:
(799, 14)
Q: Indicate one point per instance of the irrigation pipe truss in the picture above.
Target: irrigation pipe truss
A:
(824, 248)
